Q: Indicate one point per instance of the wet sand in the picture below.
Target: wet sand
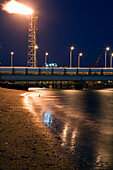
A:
(25, 143)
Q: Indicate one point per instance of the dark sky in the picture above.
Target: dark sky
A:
(86, 24)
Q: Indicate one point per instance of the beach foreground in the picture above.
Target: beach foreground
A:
(25, 143)
(56, 129)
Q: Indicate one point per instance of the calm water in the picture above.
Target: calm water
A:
(82, 120)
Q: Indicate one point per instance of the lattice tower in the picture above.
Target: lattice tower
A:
(32, 46)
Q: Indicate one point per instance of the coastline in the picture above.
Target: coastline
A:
(25, 143)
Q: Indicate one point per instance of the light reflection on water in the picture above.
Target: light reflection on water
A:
(47, 119)
(64, 134)
(83, 120)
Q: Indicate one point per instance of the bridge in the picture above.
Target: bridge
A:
(53, 75)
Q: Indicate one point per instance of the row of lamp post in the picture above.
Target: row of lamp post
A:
(71, 50)
(12, 53)
(80, 54)
(106, 50)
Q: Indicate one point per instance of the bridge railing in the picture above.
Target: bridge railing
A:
(56, 71)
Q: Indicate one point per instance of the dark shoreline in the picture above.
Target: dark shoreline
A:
(14, 86)
(25, 143)
(26, 87)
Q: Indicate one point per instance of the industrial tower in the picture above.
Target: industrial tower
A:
(32, 46)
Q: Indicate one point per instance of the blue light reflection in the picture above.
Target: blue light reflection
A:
(47, 119)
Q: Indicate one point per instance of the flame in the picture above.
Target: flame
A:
(17, 8)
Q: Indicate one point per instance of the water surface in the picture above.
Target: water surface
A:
(82, 120)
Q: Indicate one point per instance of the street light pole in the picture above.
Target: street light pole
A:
(70, 57)
(111, 60)
(12, 53)
(105, 59)
(71, 49)
(46, 54)
(107, 49)
(80, 54)
(35, 60)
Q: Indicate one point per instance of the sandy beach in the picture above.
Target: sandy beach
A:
(56, 129)
(25, 143)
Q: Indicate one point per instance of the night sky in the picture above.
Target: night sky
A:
(85, 24)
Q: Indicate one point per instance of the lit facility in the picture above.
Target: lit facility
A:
(18, 8)
(51, 65)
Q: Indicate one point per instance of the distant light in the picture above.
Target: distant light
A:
(107, 48)
(15, 7)
(72, 48)
(46, 53)
(12, 53)
(112, 54)
(51, 65)
(35, 88)
(80, 54)
(36, 47)
(47, 65)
